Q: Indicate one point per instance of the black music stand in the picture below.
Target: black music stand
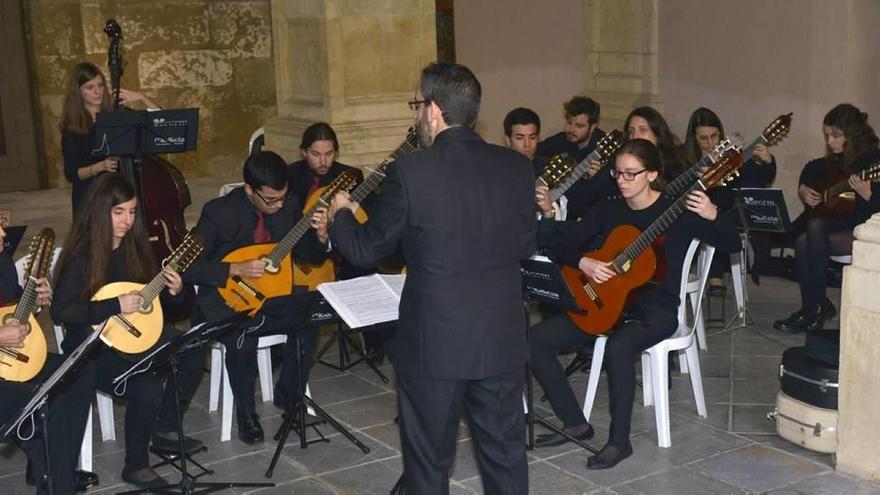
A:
(323, 314)
(38, 403)
(134, 133)
(295, 419)
(754, 210)
(165, 358)
(542, 282)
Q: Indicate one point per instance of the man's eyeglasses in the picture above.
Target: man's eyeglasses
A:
(414, 104)
(627, 176)
(273, 201)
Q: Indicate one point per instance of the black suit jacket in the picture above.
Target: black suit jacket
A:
(465, 215)
(228, 223)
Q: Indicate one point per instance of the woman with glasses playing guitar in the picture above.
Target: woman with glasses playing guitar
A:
(68, 409)
(636, 169)
(826, 227)
(108, 243)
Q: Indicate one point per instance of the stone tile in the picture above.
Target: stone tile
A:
(306, 486)
(752, 419)
(683, 480)
(547, 479)
(363, 413)
(647, 459)
(339, 453)
(715, 366)
(342, 388)
(387, 434)
(758, 391)
(777, 442)
(830, 484)
(756, 367)
(692, 441)
(758, 468)
(715, 390)
(719, 345)
(767, 343)
(370, 478)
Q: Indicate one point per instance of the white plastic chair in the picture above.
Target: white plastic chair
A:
(843, 259)
(655, 360)
(694, 289)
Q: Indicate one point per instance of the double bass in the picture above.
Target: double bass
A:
(162, 190)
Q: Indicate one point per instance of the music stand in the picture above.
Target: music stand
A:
(166, 357)
(542, 282)
(39, 400)
(133, 133)
(754, 210)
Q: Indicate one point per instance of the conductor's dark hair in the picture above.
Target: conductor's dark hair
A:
(265, 168)
(455, 90)
(521, 116)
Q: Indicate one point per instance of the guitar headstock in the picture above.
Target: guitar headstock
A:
(725, 169)
(777, 130)
(39, 255)
(185, 253)
(608, 145)
(410, 143)
(872, 173)
(343, 182)
(557, 169)
(734, 142)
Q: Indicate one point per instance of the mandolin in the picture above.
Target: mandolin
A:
(137, 332)
(605, 149)
(838, 198)
(246, 293)
(632, 257)
(22, 364)
(311, 275)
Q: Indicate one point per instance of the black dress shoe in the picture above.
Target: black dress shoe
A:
(249, 429)
(84, 479)
(609, 456)
(816, 319)
(143, 478)
(168, 441)
(795, 323)
(554, 439)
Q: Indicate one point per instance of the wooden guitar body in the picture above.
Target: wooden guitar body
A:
(241, 293)
(833, 206)
(132, 333)
(22, 364)
(602, 304)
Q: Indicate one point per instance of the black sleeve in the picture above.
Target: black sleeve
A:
(309, 249)
(206, 271)
(720, 233)
(811, 172)
(69, 307)
(754, 174)
(571, 248)
(75, 150)
(10, 288)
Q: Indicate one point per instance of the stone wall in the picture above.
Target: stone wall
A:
(212, 54)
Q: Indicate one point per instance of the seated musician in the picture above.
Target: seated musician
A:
(87, 94)
(636, 169)
(263, 210)
(704, 133)
(68, 408)
(850, 147)
(320, 148)
(647, 123)
(108, 243)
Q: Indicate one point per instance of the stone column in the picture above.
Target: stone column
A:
(859, 401)
(621, 50)
(353, 64)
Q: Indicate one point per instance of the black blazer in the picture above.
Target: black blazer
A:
(228, 223)
(464, 213)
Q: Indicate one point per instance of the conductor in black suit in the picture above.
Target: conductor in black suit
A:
(463, 211)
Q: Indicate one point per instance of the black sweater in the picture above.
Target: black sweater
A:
(815, 172)
(77, 152)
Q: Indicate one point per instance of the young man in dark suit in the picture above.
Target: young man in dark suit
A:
(464, 213)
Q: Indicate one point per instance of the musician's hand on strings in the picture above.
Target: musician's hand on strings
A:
(592, 168)
(699, 203)
(809, 196)
(109, 164)
(341, 200)
(172, 281)
(129, 97)
(319, 222)
(44, 292)
(12, 334)
(129, 303)
(762, 154)
(542, 199)
(599, 271)
(250, 269)
(861, 187)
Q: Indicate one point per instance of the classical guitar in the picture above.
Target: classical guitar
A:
(838, 198)
(311, 275)
(689, 177)
(246, 293)
(605, 149)
(22, 364)
(137, 332)
(632, 258)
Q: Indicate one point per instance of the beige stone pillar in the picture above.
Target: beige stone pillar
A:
(353, 64)
(621, 50)
(859, 401)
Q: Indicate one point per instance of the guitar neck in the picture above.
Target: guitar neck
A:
(28, 302)
(688, 178)
(750, 149)
(285, 245)
(573, 176)
(370, 183)
(152, 290)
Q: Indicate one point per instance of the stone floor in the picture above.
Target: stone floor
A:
(733, 450)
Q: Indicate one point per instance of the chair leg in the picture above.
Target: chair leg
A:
(700, 322)
(85, 452)
(682, 363)
(693, 359)
(105, 416)
(226, 412)
(647, 388)
(216, 379)
(264, 366)
(593, 380)
(659, 370)
(735, 267)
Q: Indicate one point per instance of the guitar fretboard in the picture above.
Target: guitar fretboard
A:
(573, 176)
(378, 175)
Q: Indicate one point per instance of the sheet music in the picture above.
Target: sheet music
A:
(365, 300)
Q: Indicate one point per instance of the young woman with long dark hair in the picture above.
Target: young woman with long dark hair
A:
(647, 123)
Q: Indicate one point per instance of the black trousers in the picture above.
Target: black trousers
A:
(821, 238)
(624, 343)
(151, 403)
(429, 416)
(68, 412)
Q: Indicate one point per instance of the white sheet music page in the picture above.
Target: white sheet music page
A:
(365, 300)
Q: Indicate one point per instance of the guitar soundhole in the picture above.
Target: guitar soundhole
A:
(146, 309)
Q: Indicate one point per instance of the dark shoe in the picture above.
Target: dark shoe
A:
(249, 429)
(84, 479)
(795, 323)
(143, 478)
(167, 440)
(375, 357)
(554, 439)
(816, 318)
(283, 398)
(609, 456)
